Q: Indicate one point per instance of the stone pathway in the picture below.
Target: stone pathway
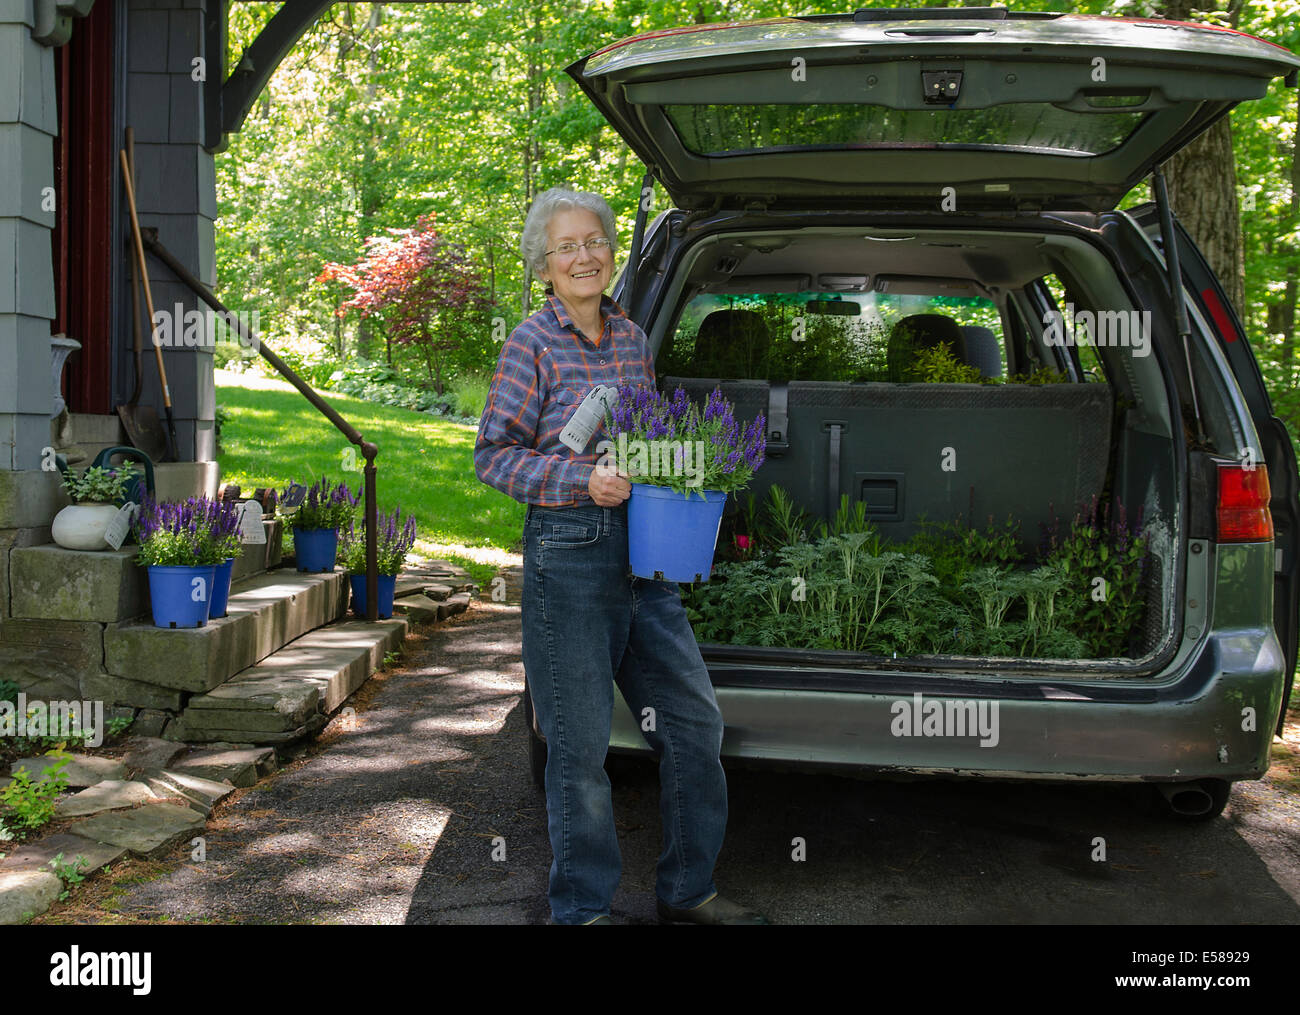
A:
(136, 805)
(155, 800)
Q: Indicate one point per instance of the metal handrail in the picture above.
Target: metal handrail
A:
(368, 449)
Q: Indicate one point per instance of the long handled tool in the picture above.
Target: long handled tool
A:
(140, 422)
(148, 299)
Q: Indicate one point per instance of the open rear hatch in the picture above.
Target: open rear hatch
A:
(1058, 111)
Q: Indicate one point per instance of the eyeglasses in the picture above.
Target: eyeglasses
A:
(593, 246)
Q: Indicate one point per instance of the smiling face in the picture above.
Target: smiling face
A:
(580, 278)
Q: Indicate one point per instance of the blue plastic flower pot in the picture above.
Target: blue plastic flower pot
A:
(221, 589)
(387, 586)
(671, 536)
(180, 595)
(316, 549)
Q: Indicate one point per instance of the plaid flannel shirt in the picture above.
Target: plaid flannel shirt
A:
(546, 368)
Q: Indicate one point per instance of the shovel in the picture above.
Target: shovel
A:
(141, 422)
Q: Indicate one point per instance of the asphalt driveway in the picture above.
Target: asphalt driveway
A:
(418, 808)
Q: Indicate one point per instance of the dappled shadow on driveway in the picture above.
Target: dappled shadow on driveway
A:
(420, 809)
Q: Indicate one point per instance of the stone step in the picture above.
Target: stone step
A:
(51, 583)
(199, 794)
(147, 831)
(105, 796)
(418, 609)
(241, 768)
(291, 693)
(81, 770)
(265, 613)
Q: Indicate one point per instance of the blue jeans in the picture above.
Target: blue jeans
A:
(588, 624)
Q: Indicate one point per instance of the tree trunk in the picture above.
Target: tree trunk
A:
(1287, 312)
(532, 148)
(368, 197)
(1202, 182)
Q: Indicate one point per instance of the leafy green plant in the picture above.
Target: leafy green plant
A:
(1103, 557)
(848, 519)
(469, 393)
(938, 365)
(955, 549)
(1045, 375)
(70, 874)
(119, 725)
(26, 805)
(787, 522)
(97, 485)
(950, 589)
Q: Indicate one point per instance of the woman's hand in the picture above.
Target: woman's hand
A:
(608, 489)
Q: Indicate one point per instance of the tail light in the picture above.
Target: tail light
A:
(1243, 515)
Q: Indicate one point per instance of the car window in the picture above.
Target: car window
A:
(819, 336)
(1086, 359)
(733, 128)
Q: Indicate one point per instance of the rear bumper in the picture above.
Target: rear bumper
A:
(1188, 726)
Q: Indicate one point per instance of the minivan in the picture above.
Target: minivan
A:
(952, 175)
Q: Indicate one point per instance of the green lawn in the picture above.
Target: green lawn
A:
(273, 435)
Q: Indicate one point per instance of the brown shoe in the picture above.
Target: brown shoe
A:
(716, 910)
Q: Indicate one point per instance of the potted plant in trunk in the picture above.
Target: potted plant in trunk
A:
(316, 524)
(682, 464)
(177, 547)
(223, 531)
(95, 494)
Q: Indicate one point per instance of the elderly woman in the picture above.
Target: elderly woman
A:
(588, 623)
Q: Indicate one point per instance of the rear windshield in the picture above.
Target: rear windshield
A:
(731, 129)
(816, 336)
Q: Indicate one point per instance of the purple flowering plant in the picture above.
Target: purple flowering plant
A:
(669, 442)
(326, 506)
(193, 533)
(394, 539)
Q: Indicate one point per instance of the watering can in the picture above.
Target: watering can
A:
(138, 487)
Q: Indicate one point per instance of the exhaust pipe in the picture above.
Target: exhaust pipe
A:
(1186, 798)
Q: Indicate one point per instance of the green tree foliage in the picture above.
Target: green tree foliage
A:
(424, 289)
(383, 113)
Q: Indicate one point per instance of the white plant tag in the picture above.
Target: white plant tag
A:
(586, 419)
(251, 529)
(115, 534)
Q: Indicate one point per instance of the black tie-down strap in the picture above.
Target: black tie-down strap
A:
(778, 419)
(833, 475)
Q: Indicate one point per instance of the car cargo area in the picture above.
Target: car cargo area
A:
(918, 377)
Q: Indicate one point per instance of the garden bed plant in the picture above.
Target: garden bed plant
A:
(951, 589)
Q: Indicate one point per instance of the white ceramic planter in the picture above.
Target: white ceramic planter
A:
(82, 526)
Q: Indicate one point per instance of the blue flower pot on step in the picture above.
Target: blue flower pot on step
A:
(221, 589)
(180, 595)
(671, 536)
(387, 586)
(316, 549)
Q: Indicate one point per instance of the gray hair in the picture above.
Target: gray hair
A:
(533, 242)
